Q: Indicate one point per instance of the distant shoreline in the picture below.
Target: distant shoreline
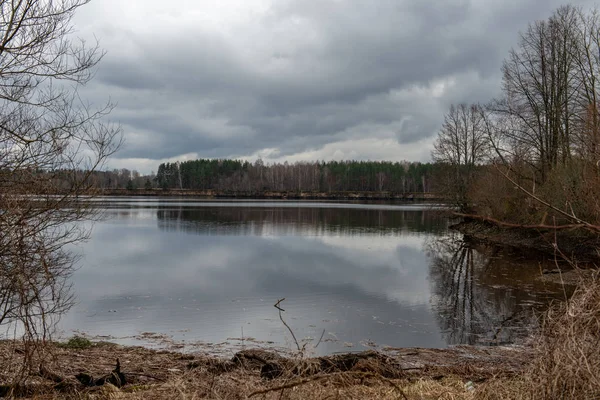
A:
(282, 195)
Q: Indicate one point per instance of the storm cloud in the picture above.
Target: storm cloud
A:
(295, 79)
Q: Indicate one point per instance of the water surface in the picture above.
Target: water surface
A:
(364, 274)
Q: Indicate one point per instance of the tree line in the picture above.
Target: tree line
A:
(318, 176)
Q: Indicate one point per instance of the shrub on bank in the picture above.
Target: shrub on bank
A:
(567, 361)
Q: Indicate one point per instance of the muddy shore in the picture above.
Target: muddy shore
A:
(155, 374)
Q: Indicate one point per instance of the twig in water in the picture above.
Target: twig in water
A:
(278, 307)
(321, 338)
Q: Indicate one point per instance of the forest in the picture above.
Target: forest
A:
(243, 176)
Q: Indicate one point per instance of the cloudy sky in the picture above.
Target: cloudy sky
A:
(295, 79)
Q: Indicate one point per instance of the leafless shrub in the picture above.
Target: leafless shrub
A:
(50, 143)
(495, 196)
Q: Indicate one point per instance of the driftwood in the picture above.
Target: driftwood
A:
(115, 378)
(271, 365)
(246, 359)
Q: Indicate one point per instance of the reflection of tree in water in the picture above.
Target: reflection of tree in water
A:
(293, 220)
(481, 295)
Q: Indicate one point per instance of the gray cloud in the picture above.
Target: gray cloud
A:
(292, 79)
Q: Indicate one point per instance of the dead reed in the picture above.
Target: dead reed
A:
(566, 363)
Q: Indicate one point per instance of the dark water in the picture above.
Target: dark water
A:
(366, 275)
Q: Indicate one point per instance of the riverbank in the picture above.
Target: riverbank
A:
(576, 246)
(273, 195)
(84, 371)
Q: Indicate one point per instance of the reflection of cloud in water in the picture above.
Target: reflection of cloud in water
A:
(214, 285)
(375, 243)
(242, 264)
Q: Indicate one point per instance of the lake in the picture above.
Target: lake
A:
(206, 274)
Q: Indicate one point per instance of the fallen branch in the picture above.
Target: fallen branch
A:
(315, 378)
(525, 226)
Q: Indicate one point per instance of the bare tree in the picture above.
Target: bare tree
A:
(540, 89)
(50, 144)
(587, 60)
(545, 128)
(462, 143)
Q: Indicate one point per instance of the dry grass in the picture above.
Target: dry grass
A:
(398, 374)
(568, 361)
(567, 357)
(244, 386)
